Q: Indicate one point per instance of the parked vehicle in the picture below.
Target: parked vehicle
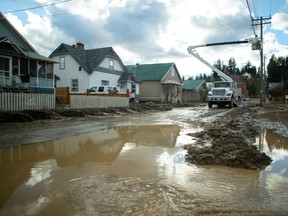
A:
(103, 89)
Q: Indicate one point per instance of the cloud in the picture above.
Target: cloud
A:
(280, 21)
(152, 31)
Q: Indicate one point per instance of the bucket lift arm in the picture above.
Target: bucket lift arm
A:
(193, 52)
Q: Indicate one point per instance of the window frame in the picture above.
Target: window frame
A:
(111, 64)
(62, 63)
(105, 82)
(74, 86)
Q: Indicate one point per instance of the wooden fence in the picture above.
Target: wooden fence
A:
(15, 101)
(62, 95)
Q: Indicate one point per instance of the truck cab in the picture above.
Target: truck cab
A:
(224, 93)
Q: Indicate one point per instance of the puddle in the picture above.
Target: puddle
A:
(137, 170)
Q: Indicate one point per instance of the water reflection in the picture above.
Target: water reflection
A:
(275, 176)
(274, 145)
(136, 170)
(34, 163)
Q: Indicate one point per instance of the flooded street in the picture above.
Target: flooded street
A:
(134, 165)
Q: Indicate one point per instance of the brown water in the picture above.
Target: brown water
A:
(138, 168)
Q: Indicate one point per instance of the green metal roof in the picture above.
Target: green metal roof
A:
(193, 84)
(150, 72)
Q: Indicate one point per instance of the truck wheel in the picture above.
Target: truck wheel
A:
(209, 104)
(231, 103)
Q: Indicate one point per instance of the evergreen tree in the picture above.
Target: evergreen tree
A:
(232, 66)
(274, 74)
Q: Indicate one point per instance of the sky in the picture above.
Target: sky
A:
(155, 31)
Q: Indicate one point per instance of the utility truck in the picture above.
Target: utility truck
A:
(223, 92)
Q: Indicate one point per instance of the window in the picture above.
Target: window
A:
(50, 70)
(15, 66)
(104, 82)
(62, 63)
(173, 72)
(42, 69)
(101, 89)
(4, 64)
(33, 68)
(111, 64)
(23, 66)
(74, 85)
(133, 89)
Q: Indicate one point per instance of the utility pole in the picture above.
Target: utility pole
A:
(262, 86)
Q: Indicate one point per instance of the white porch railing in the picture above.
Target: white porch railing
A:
(41, 82)
(15, 82)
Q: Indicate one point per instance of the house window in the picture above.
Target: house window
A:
(15, 66)
(23, 66)
(133, 89)
(42, 69)
(62, 63)
(104, 82)
(173, 72)
(4, 64)
(50, 70)
(33, 68)
(74, 85)
(111, 64)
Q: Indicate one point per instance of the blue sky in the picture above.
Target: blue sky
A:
(153, 31)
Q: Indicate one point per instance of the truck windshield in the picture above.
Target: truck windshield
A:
(222, 84)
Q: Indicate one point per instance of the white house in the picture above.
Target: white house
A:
(81, 69)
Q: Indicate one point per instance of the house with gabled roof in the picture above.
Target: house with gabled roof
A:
(159, 82)
(194, 90)
(23, 70)
(80, 69)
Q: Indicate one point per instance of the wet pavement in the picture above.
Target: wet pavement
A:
(135, 166)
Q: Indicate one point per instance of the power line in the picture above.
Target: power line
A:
(251, 17)
(37, 7)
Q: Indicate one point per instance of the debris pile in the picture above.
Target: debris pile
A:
(228, 141)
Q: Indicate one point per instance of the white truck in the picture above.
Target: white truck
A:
(223, 92)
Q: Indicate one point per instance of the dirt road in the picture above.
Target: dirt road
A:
(230, 136)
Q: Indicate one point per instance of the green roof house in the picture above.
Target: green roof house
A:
(194, 90)
(159, 82)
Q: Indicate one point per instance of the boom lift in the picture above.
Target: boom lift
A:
(224, 92)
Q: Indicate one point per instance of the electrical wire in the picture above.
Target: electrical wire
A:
(37, 7)
(251, 17)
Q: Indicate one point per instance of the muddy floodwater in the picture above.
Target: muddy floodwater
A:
(135, 165)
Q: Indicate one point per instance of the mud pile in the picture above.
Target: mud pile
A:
(228, 141)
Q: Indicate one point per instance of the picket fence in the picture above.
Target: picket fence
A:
(15, 101)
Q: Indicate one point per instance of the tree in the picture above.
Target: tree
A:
(249, 69)
(232, 66)
(273, 70)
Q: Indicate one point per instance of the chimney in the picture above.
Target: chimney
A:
(80, 45)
